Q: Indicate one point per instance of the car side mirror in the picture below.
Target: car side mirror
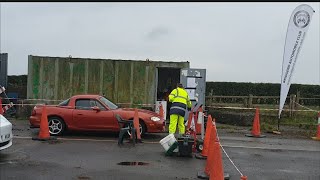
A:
(96, 108)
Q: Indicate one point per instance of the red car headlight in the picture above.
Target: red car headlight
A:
(155, 119)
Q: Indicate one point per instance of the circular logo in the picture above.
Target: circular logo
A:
(301, 19)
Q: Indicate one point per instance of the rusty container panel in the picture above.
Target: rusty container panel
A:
(94, 79)
(152, 81)
(63, 80)
(47, 71)
(108, 79)
(138, 83)
(123, 82)
(33, 77)
(78, 76)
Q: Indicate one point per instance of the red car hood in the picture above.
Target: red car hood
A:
(140, 111)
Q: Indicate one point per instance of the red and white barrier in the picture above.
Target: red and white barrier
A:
(2, 89)
(317, 137)
(7, 106)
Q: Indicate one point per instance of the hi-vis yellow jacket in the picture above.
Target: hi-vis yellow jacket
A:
(180, 95)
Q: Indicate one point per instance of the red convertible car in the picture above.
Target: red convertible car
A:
(93, 113)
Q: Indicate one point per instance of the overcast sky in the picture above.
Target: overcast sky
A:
(235, 42)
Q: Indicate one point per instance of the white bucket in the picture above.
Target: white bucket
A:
(168, 141)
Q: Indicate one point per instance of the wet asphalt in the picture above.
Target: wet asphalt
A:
(97, 156)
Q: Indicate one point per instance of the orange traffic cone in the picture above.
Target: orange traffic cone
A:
(256, 126)
(1, 110)
(318, 130)
(204, 152)
(214, 165)
(216, 172)
(199, 120)
(136, 125)
(44, 133)
(243, 177)
(161, 113)
(189, 121)
(211, 153)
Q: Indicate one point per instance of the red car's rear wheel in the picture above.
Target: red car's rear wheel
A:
(56, 126)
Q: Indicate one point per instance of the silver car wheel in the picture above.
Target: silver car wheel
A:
(140, 127)
(55, 126)
(201, 147)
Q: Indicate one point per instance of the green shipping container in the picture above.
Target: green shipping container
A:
(128, 83)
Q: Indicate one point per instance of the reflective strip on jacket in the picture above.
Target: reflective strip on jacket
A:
(180, 101)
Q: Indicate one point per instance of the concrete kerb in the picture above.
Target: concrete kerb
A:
(259, 136)
(51, 138)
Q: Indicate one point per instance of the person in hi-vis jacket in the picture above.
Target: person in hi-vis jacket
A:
(180, 103)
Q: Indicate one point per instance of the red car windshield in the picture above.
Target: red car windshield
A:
(65, 102)
(108, 103)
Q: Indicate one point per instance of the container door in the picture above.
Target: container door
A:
(194, 81)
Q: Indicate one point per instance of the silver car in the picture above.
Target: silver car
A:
(5, 133)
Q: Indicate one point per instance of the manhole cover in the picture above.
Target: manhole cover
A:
(133, 163)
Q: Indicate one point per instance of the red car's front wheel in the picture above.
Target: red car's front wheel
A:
(142, 127)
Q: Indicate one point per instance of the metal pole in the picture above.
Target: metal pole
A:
(202, 127)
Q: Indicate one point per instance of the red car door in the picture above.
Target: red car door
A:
(86, 117)
(106, 115)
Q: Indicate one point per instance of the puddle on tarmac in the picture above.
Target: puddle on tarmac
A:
(83, 177)
(55, 142)
(52, 141)
(276, 150)
(133, 163)
(8, 162)
(257, 155)
(12, 157)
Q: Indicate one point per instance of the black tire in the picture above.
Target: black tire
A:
(56, 126)
(142, 128)
(199, 145)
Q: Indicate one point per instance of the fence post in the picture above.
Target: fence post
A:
(250, 101)
(298, 97)
(245, 102)
(292, 104)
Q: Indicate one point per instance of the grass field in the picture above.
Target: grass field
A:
(303, 122)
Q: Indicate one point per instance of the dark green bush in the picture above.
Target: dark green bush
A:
(259, 89)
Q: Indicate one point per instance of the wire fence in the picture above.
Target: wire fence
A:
(35, 102)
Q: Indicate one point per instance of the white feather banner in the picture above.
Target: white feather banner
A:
(297, 28)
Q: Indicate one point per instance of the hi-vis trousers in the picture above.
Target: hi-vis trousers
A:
(174, 119)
